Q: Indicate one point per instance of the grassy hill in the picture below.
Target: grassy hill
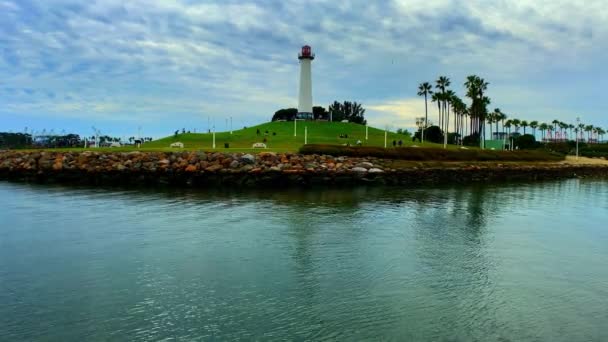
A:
(284, 140)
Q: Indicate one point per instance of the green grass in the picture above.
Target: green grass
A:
(284, 141)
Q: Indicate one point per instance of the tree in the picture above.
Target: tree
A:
(516, 123)
(287, 114)
(543, 129)
(534, 125)
(425, 89)
(432, 134)
(320, 113)
(442, 83)
(524, 124)
(351, 111)
(476, 87)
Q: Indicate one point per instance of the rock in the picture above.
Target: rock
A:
(358, 169)
(275, 169)
(375, 170)
(247, 159)
(191, 168)
(246, 168)
(366, 165)
(214, 168)
(234, 164)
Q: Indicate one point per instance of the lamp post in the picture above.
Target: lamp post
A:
(578, 120)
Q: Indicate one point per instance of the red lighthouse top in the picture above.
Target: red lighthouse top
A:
(306, 53)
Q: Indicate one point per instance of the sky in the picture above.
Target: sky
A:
(162, 65)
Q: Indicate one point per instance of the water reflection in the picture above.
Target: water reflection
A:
(489, 262)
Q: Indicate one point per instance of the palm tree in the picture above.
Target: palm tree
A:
(534, 125)
(497, 117)
(581, 128)
(442, 83)
(476, 88)
(588, 129)
(508, 125)
(516, 123)
(425, 89)
(524, 124)
(543, 129)
(449, 100)
(437, 98)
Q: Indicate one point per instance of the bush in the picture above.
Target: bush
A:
(430, 154)
(431, 134)
(471, 140)
(593, 150)
(526, 142)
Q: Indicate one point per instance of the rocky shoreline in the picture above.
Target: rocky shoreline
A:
(264, 169)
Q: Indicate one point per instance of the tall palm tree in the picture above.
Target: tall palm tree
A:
(524, 124)
(534, 125)
(449, 100)
(497, 117)
(508, 125)
(476, 87)
(516, 123)
(543, 130)
(437, 98)
(589, 129)
(425, 89)
(442, 83)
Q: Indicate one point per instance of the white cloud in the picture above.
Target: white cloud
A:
(152, 57)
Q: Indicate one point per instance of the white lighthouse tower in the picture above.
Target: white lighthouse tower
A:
(305, 97)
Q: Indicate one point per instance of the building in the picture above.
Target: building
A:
(305, 94)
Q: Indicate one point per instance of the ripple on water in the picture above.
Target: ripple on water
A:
(506, 262)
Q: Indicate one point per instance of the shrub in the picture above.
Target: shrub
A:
(593, 150)
(471, 140)
(430, 154)
(431, 134)
(526, 142)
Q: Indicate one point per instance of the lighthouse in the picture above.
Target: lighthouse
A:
(305, 96)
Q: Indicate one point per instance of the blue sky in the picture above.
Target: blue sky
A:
(163, 65)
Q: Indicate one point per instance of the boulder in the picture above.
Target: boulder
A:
(214, 168)
(247, 159)
(358, 169)
(375, 170)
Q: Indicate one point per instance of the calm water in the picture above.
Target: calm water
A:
(520, 262)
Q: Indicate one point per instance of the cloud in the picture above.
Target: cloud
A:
(148, 60)
(397, 113)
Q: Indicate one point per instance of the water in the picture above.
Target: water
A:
(519, 262)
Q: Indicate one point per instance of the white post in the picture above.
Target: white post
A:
(295, 126)
(366, 131)
(231, 125)
(422, 132)
(305, 135)
(385, 137)
(213, 139)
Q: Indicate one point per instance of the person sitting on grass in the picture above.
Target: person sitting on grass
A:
(400, 143)
(394, 143)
